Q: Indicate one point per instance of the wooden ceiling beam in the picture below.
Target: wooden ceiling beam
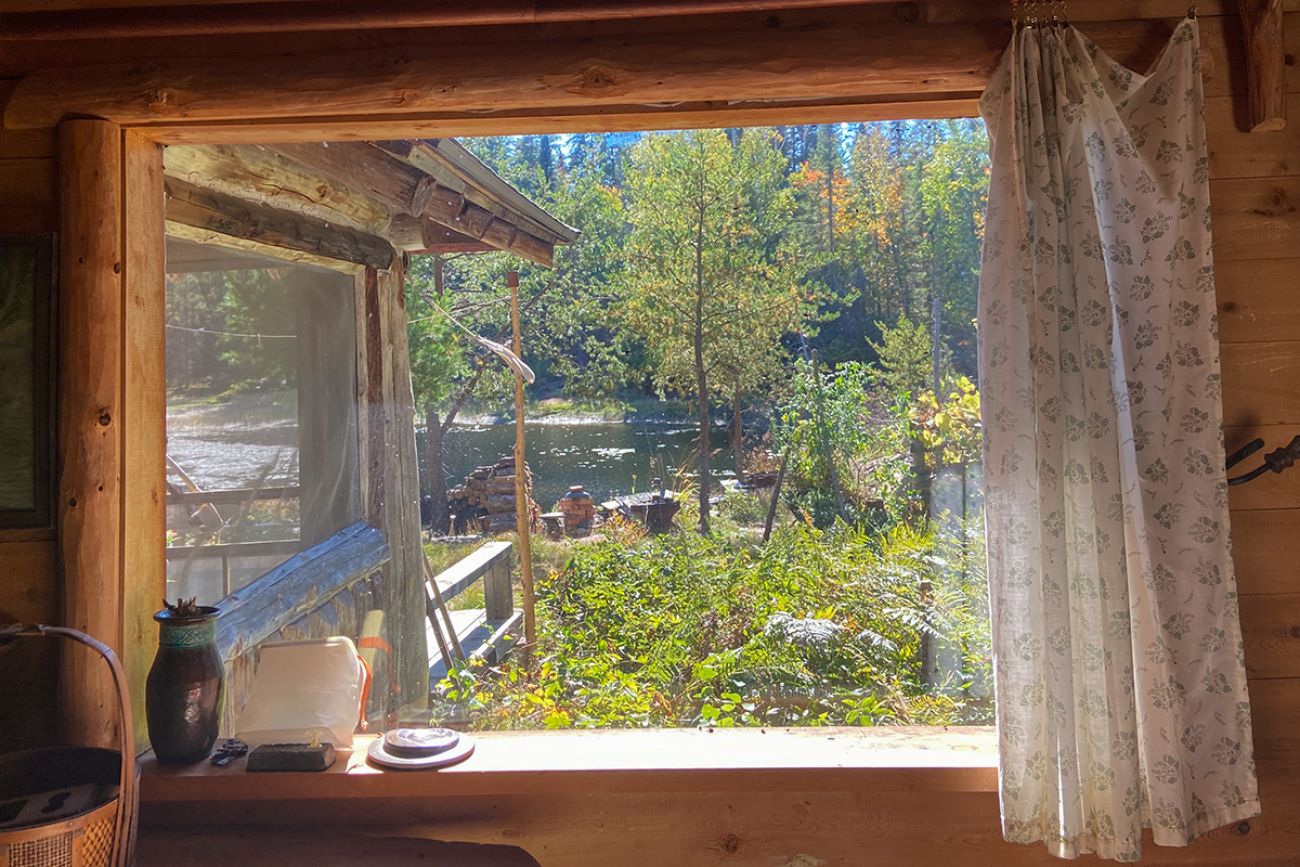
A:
(286, 16)
(552, 68)
(270, 229)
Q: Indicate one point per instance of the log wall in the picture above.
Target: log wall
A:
(27, 557)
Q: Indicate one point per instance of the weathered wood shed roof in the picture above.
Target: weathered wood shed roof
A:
(354, 204)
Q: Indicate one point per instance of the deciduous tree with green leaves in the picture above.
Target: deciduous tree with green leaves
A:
(712, 281)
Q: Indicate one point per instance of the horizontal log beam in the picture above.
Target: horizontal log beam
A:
(630, 118)
(212, 211)
(48, 20)
(286, 17)
(742, 58)
(403, 188)
(263, 176)
(423, 235)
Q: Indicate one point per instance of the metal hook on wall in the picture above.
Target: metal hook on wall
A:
(1275, 461)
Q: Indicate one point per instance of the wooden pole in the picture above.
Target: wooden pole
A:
(776, 495)
(523, 519)
(435, 606)
(1265, 64)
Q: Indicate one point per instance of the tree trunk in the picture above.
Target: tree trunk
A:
(921, 474)
(936, 347)
(702, 386)
(738, 434)
(701, 374)
(437, 480)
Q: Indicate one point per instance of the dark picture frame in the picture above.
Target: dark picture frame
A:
(27, 353)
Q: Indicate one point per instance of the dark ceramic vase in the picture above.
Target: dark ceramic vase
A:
(184, 692)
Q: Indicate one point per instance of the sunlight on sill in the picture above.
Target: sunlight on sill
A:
(811, 759)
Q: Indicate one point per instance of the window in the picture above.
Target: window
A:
(339, 390)
(261, 415)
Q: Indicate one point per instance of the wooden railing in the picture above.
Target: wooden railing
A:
(488, 631)
(491, 564)
(325, 590)
(304, 583)
(227, 551)
(233, 496)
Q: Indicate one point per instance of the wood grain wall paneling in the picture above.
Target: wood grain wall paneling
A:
(1258, 299)
(28, 591)
(1271, 627)
(1270, 491)
(1256, 191)
(1256, 218)
(27, 595)
(1238, 154)
(1266, 552)
(1259, 382)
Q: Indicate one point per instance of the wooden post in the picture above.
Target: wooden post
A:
(498, 595)
(776, 495)
(1262, 21)
(523, 520)
(90, 406)
(111, 414)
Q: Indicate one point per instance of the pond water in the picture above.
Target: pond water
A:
(604, 457)
(252, 439)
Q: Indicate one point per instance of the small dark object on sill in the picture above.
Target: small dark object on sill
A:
(229, 750)
(291, 757)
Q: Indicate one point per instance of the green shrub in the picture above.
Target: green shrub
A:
(814, 628)
(743, 508)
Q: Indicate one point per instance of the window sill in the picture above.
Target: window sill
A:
(665, 760)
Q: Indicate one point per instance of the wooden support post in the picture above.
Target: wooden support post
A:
(111, 416)
(498, 594)
(1262, 21)
(439, 616)
(90, 407)
(523, 519)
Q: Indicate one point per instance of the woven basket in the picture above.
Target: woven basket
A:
(102, 836)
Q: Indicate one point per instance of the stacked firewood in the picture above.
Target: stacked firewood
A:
(486, 501)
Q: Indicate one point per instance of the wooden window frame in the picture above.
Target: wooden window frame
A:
(112, 419)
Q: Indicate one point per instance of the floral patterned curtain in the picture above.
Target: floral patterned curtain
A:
(1121, 688)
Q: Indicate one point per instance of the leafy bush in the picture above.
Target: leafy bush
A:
(836, 414)
(742, 508)
(815, 628)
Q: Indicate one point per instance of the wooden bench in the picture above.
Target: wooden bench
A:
(486, 632)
